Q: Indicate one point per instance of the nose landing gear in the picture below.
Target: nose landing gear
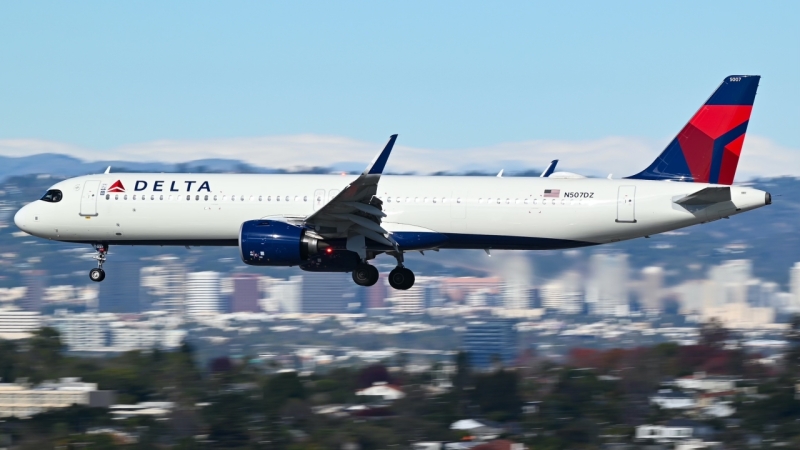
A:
(98, 274)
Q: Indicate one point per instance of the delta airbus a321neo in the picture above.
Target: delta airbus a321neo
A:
(322, 224)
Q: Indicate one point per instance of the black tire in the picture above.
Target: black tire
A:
(401, 278)
(365, 275)
(97, 275)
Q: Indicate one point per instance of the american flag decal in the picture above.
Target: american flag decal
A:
(552, 193)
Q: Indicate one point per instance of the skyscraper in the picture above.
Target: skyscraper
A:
(607, 287)
(202, 293)
(119, 293)
(327, 293)
(286, 295)
(651, 288)
(794, 287)
(245, 294)
(491, 341)
(35, 283)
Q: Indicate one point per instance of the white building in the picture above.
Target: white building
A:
(83, 332)
(411, 301)
(673, 400)
(22, 400)
(166, 283)
(651, 288)
(607, 286)
(202, 294)
(381, 389)
(563, 295)
(18, 324)
(794, 287)
(286, 295)
(125, 338)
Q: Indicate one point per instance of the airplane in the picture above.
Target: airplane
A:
(321, 223)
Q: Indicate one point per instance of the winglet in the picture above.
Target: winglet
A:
(550, 169)
(108, 170)
(377, 164)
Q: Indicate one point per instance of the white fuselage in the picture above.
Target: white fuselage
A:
(472, 212)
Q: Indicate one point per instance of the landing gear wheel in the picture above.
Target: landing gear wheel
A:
(97, 275)
(401, 278)
(365, 275)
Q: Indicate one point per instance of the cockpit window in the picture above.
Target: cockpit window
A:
(53, 196)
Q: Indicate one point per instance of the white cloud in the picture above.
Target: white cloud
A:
(621, 156)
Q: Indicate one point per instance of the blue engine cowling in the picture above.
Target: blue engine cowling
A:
(275, 243)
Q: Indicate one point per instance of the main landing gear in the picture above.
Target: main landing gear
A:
(399, 278)
(98, 274)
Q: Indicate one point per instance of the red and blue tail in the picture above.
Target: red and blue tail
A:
(707, 149)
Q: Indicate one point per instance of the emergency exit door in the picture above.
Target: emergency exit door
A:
(89, 198)
(626, 204)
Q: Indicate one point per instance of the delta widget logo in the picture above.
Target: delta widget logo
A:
(117, 187)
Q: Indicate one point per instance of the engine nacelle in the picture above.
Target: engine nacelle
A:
(275, 243)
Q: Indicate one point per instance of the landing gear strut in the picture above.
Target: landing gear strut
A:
(98, 274)
(365, 274)
(400, 277)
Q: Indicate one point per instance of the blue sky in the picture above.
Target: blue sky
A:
(100, 78)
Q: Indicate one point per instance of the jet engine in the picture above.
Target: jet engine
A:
(276, 243)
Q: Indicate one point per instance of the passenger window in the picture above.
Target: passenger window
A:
(434, 199)
(277, 198)
(188, 197)
(296, 198)
(305, 198)
(152, 197)
(508, 201)
(259, 198)
(116, 196)
(498, 200)
(489, 200)
(554, 201)
(215, 198)
(458, 200)
(205, 198)
(269, 198)
(108, 197)
(388, 199)
(535, 201)
(287, 198)
(161, 197)
(134, 196)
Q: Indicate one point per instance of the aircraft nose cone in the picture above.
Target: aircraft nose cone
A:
(22, 218)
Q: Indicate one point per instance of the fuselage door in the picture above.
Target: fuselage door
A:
(89, 198)
(626, 204)
(319, 199)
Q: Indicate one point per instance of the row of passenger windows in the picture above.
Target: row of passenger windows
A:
(224, 198)
(297, 198)
(490, 200)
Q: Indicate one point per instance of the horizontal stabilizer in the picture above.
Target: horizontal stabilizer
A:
(707, 196)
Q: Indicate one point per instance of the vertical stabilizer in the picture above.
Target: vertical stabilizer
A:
(707, 149)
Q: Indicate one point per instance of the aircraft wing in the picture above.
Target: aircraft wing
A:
(356, 213)
(707, 196)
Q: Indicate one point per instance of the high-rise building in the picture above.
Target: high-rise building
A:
(327, 293)
(458, 289)
(83, 332)
(731, 279)
(794, 287)
(246, 294)
(35, 283)
(286, 295)
(563, 295)
(651, 288)
(607, 287)
(18, 323)
(164, 286)
(202, 293)
(375, 295)
(119, 293)
(414, 300)
(490, 342)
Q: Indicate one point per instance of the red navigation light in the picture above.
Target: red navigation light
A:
(329, 250)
